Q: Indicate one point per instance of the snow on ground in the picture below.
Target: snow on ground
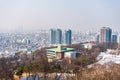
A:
(106, 57)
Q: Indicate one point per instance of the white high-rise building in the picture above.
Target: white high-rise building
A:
(118, 39)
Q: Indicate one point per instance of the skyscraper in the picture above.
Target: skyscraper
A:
(114, 38)
(103, 34)
(118, 39)
(53, 36)
(56, 36)
(97, 38)
(68, 36)
(106, 33)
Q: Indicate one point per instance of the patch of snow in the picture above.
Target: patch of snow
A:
(106, 57)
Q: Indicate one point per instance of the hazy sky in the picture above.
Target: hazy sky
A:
(44, 14)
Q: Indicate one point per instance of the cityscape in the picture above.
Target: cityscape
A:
(26, 43)
(12, 43)
(59, 40)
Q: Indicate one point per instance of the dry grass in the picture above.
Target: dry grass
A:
(111, 72)
(98, 72)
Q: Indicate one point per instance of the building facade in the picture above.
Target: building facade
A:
(58, 36)
(55, 36)
(68, 37)
(59, 53)
(52, 36)
(105, 34)
(118, 39)
(97, 38)
(114, 38)
(108, 34)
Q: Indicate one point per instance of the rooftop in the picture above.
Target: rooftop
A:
(60, 49)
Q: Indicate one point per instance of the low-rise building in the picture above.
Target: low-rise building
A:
(60, 52)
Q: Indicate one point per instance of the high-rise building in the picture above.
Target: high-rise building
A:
(103, 34)
(106, 33)
(97, 38)
(68, 36)
(56, 36)
(53, 36)
(114, 38)
(118, 39)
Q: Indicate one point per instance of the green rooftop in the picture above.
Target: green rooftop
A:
(60, 50)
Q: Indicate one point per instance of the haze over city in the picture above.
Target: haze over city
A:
(44, 14)
(59, 39)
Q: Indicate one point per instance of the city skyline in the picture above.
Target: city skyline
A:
(46, 14)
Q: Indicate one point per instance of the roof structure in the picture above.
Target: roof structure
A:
(61, 50)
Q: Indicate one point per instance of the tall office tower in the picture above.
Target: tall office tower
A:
(118, 39)
(68, 37)
(97, 38)
(53, 36)
(58, 36)
(106, 33)
(103, 34)
(114, 38)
